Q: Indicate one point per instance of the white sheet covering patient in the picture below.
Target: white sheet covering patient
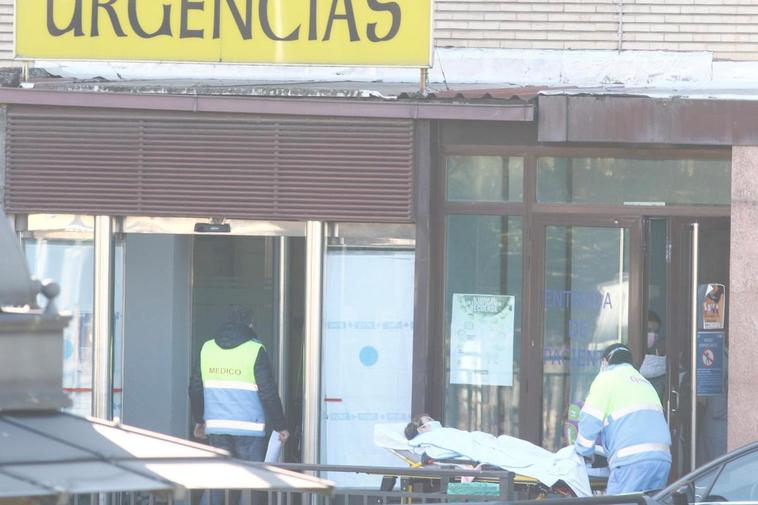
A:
(509, 453)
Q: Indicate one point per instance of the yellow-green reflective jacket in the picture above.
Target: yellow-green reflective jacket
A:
(232, 405)
(624, 407)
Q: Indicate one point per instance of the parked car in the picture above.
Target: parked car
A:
(730, 478)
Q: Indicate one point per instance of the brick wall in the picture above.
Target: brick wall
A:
(532, 24)
(729, 28)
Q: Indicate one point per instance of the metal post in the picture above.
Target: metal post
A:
(314, 258)
(621, 25)
(693, 360)
(102, 352)
(620, 322)
(283, 327)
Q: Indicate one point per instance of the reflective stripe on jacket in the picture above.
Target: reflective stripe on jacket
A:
(624, 407)
(232, 405)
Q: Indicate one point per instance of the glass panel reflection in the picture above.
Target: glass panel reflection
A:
(367, 355)
(483, 303)
(71, 264)
(586, 310)
(118, 329)
(633, 181)
(485, 179)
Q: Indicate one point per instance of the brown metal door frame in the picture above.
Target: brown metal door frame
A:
(441, 210)
(536, 216)
(678, 331)
(532, 408)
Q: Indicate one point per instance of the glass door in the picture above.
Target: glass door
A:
(367, 344)
(589, 274)
(178, 290)
(699, 330)
(61, 247)
(482, 323)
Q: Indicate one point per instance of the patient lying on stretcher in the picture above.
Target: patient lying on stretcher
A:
(427, 436)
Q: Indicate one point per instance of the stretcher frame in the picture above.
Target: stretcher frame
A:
(529, 487)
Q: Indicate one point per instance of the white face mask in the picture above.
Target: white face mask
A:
(429, 426)
(603, 365)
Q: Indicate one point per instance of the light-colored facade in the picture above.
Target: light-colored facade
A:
(728, 29)
(725, 28)
(553, 42)
(699, 51)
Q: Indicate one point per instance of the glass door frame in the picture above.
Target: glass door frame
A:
(536, 216)
(679, 329)
(533, 406)
(433, 397)
(278, 230)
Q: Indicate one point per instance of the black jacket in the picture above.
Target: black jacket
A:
(230, 336)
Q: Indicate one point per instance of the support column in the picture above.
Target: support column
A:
(102, 345)
(422, 392)
(314, 261)
(282, 326)
(3, 126)
(743, 292)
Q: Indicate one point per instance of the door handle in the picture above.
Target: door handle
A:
(674, 400)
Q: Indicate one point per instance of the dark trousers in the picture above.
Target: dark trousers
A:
(241, 447)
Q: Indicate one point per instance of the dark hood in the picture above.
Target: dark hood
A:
(233, 334)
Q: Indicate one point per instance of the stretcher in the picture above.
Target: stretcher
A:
(524, 486)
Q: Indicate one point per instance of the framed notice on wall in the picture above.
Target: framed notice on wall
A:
(481, 339)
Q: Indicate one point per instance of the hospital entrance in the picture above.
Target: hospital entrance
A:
(178, 289)
(658, 284)
(173, 282)
(550, 255)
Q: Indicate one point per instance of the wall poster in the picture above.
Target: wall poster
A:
(714, 307)
(481, 339)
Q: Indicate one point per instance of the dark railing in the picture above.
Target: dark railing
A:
(414, 485)
(281, 498)
(634, 499)
(395, 486)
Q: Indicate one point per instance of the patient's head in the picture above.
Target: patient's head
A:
(420, 424)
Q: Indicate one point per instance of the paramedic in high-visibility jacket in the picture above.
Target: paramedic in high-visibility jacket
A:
(233, 395)
(624, 408)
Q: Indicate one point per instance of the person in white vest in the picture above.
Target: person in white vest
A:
(233, 394)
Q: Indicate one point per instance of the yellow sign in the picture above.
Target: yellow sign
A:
(324, 32)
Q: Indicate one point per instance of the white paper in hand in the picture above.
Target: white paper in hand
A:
(274, 448)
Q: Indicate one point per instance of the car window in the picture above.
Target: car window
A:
(738, 481)
(696, 488)
(702, 484)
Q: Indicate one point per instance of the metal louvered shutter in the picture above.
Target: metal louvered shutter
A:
(208, 165)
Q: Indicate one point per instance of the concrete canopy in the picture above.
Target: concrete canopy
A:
(57, 453)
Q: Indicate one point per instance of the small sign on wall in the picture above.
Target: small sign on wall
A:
(710, 363)
(714, 306)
